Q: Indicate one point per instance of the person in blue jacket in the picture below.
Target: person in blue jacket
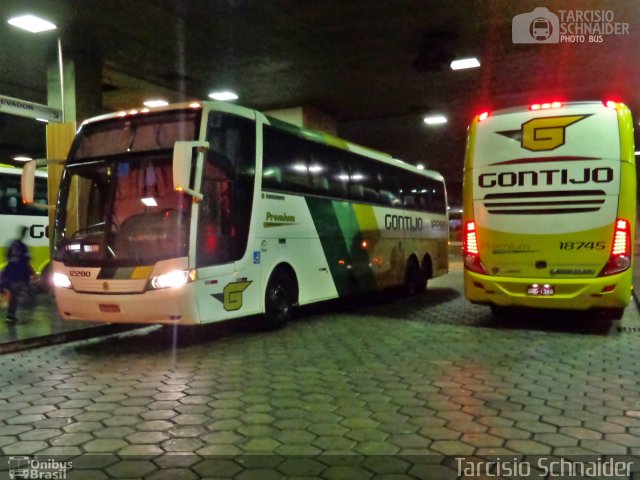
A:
(17, 274)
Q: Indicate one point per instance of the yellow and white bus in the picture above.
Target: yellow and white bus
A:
(549, 202)
(15, 214)
(203, 212)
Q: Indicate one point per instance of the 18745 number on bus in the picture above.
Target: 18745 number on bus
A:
(581, 245)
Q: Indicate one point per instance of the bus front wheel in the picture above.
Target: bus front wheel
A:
(279, 300)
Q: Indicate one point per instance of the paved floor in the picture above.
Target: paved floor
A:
(39, 319)
(383, 389)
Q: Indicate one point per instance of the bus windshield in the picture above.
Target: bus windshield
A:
(131, 214)
(128, 213)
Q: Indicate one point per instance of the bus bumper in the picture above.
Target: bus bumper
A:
(613, 291)
(175, 306)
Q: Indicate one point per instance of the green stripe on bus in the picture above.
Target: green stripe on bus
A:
(340, 237)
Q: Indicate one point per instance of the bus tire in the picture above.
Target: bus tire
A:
(502, 314)
(415, 280)
(613, 314)
(279, 300)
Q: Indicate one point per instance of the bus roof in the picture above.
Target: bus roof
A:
(522, 108)
(313, 135)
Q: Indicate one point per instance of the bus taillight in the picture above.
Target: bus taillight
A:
(546, 105)
(620, 257)
(470, 250)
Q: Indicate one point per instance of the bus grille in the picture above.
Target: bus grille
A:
(110, 286)
(544, 203)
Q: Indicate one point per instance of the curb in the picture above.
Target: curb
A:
(64, 337)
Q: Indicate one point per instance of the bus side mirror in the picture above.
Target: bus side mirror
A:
(27, 182)
(183, 166)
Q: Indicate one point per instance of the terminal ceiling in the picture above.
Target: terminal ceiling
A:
(377, 67)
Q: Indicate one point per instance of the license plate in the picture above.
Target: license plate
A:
(109, 308)
(545, 290)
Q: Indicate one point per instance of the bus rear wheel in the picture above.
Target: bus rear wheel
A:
(415, 280)
(279, 300)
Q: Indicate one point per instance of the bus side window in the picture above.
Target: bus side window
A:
(410, 201)
(433, 194)
(288, 154)
(363, 180)
(272, 177)
(327, 171)
(390, 191)
(412, 186)
(439, 198)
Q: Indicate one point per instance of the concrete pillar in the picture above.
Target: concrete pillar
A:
(76, 89)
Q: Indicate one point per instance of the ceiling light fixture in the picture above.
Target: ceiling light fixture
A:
(22, 158)
(31, 23)
(420, 166)
(435, 120)
(156, 102)
(223, 95)
(465, 63)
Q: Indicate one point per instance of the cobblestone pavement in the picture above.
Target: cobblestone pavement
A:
(380, 389)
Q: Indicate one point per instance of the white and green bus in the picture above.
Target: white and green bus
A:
(204, 212)
(14, 214)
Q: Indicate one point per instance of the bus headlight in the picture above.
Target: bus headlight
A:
(173, 279)
(61, 280)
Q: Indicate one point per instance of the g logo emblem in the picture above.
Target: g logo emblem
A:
(232, 295)
(548, 133)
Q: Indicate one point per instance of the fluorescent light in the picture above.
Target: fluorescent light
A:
(637, 153)
(22, 159)
(420, 166)
(224, 96)
(463, 63)
(43, 120)
(435, 120)
(157, 102)
(149, 202)
(31, 23)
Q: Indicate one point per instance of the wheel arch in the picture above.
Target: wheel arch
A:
(288, 269)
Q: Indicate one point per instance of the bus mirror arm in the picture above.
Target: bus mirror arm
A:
(183, 165)
(27, 181)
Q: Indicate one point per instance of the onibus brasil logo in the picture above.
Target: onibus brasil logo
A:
(34, 468)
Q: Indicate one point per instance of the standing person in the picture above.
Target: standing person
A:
(17, 273)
